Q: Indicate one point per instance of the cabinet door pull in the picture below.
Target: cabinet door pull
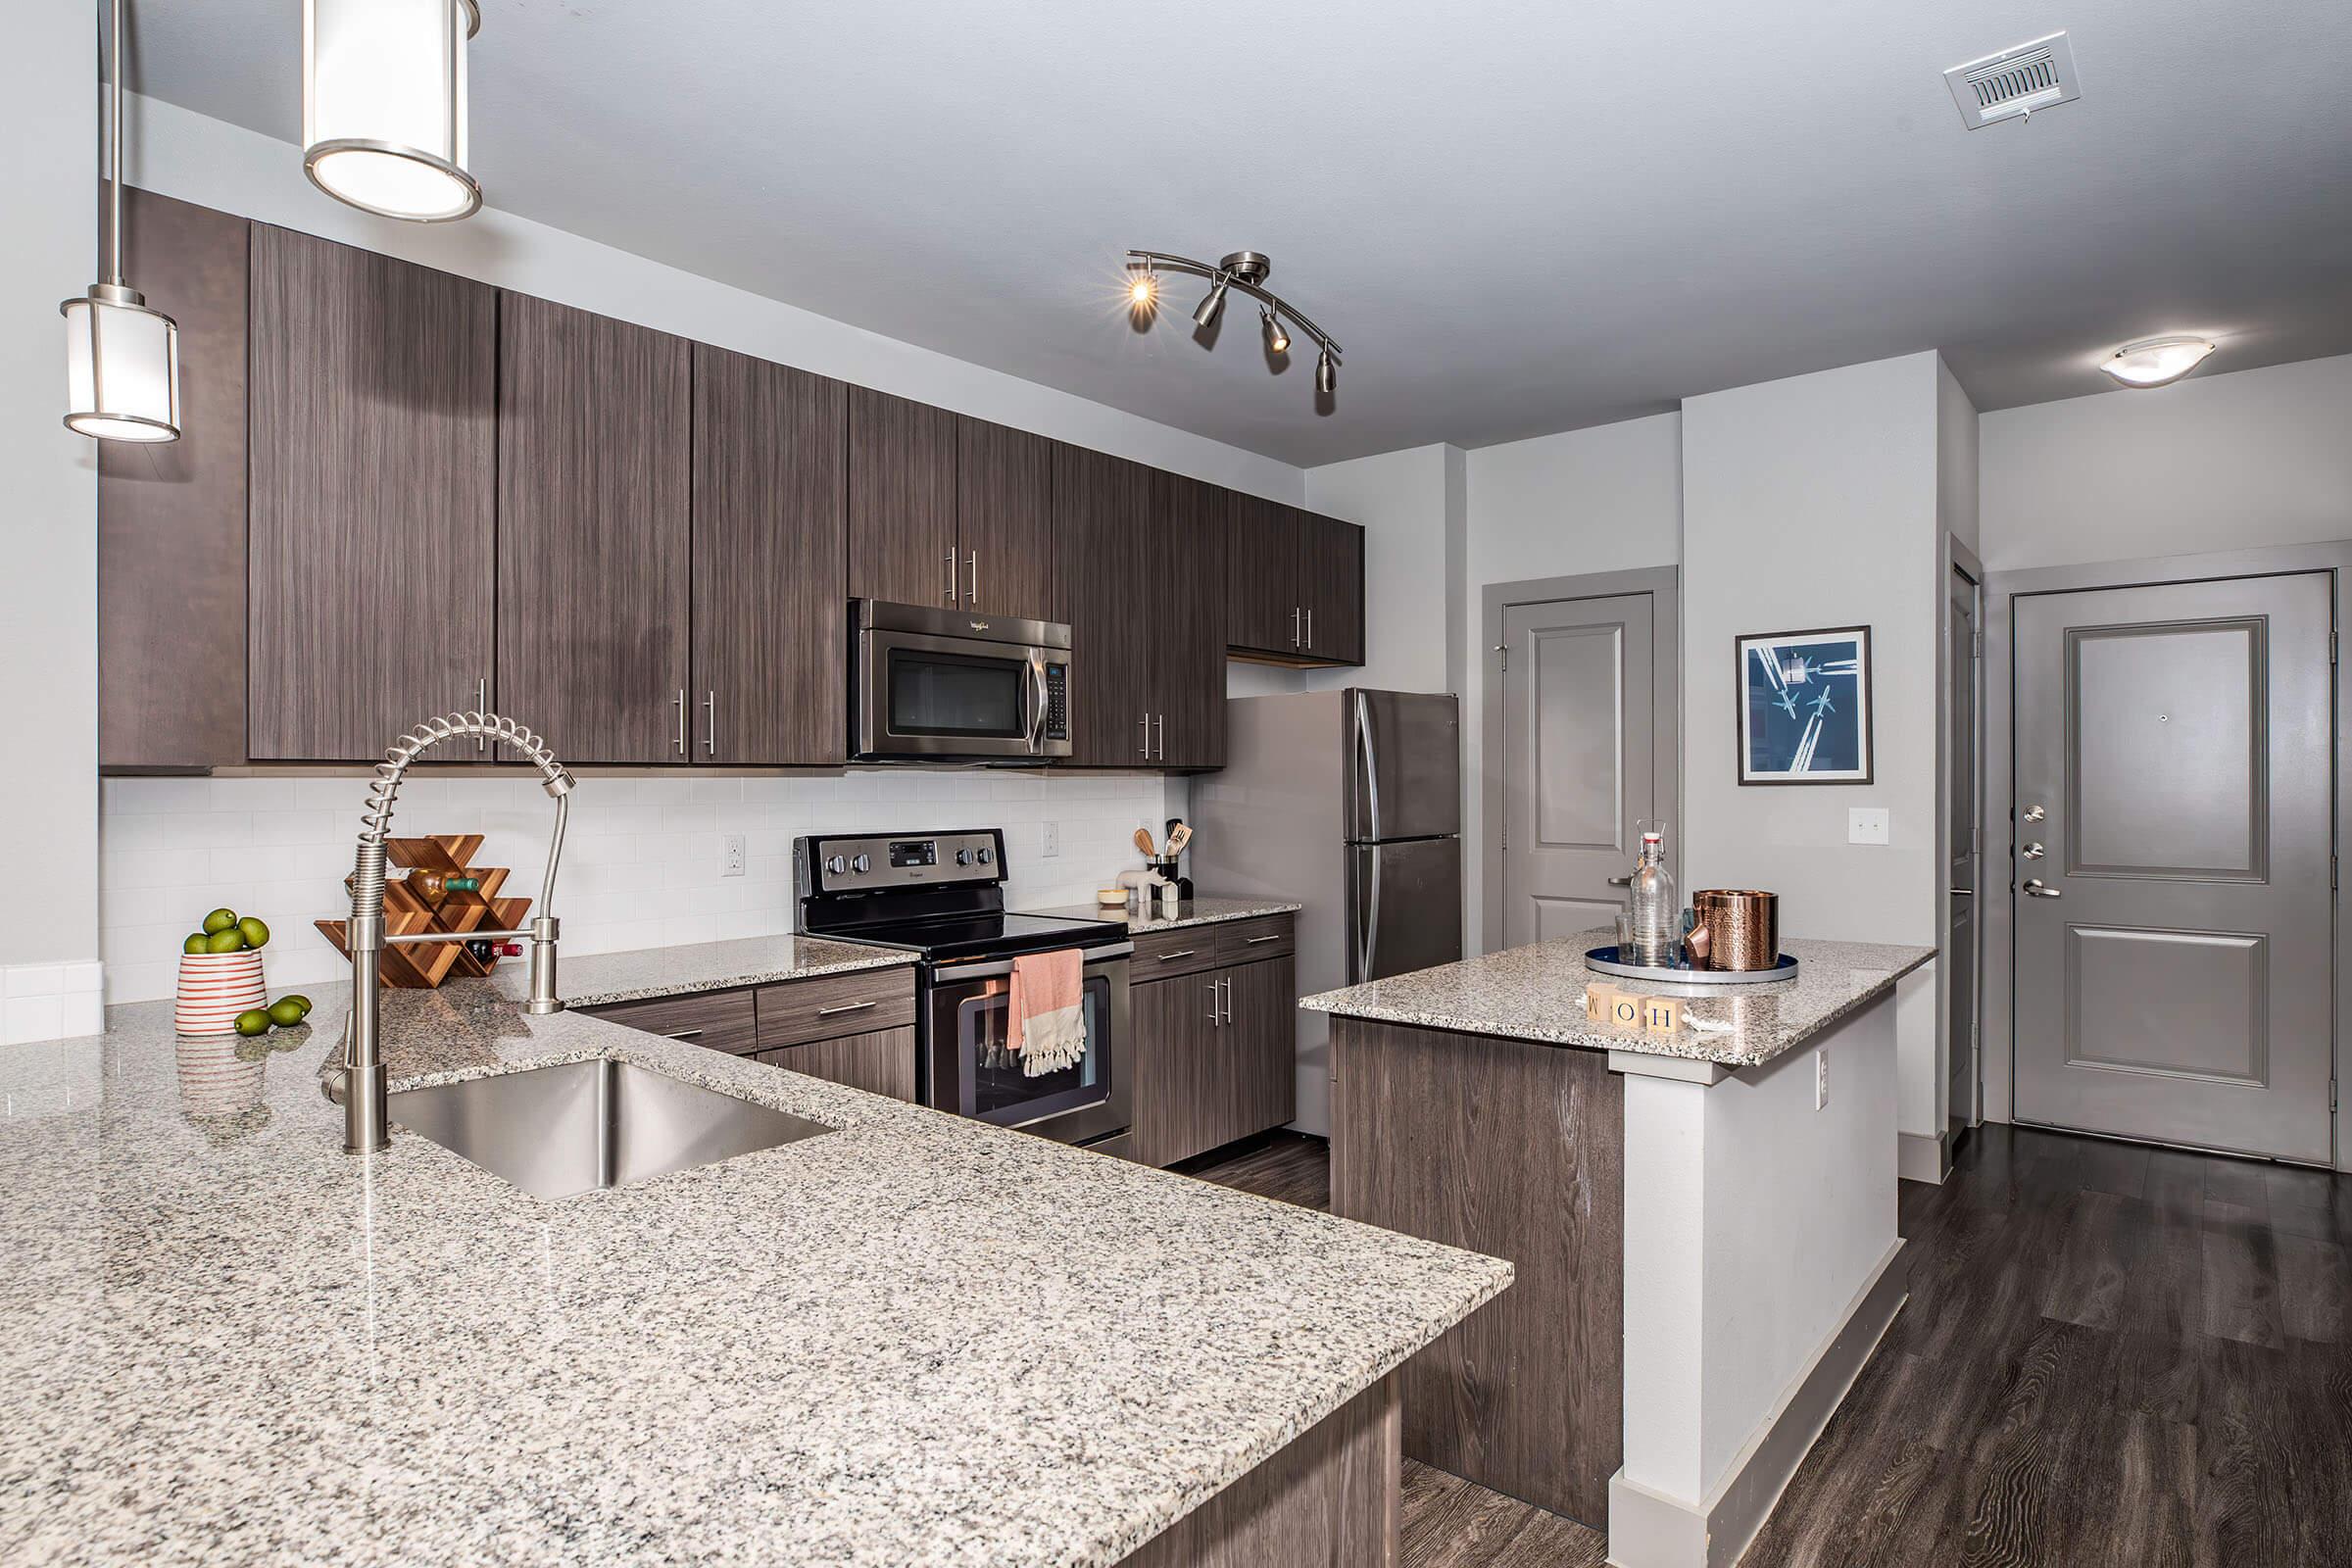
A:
(1180, 953)
(973, 597)
(1160, 747)
(710, 723)
(950, 576)
(1227, 984)
(1145, 751)
(1311, 629)
(683, 1034)
(846, 1007)
(1215, 1018)
(680, 700)
(1251, 941)
(1296, 612)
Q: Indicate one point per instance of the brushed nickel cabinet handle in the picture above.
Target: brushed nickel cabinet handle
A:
(973, 599)
(1145, 751)
(710, 723)
(950, 576)
(846, 1007)
(481, 705)
(1311, 629)
(1296, 612)
(1180, 953)
(1251, 941)
(684, 1034)
(680, 700)
(1160, 750)
(1215, 1018)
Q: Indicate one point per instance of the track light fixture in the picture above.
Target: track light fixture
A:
(1247, 272)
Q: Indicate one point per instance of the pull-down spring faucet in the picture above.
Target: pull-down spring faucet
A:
(365, 1118)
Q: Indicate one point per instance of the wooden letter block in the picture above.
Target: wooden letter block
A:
(1625, 1011)
(1661, 1014)
(1597, 998)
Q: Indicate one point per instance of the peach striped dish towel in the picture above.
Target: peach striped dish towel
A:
(1046, 1022)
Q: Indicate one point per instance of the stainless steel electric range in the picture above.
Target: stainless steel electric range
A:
(941, 896)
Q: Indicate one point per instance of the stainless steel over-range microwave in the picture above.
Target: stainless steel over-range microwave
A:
(928, 684)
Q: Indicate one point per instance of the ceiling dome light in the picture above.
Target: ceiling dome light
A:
(1277, 340)
(383, 105)
(2157, 361)
(1205, 313)
(122, 358)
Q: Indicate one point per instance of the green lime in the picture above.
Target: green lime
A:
(255, 932)
(226, 940)
(196, 943)
(285, 1012)
(297, 1000)
(220, 920)
(254, 1023)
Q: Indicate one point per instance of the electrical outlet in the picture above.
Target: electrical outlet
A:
(734, 853)
(1820, 1079)
(1866, 824)
(1051, 835)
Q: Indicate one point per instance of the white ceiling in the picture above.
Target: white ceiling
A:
(1516, 217)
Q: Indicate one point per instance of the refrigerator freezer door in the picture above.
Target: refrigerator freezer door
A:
(1404, 765)
(1404, 908)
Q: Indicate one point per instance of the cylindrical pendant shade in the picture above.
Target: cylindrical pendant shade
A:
(121, 369)
(383, 105)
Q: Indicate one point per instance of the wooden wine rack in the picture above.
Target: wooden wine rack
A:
(410, 907)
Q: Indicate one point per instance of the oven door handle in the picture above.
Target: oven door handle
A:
(949, 973)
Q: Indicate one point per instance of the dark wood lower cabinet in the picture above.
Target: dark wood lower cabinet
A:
(1214, 1057)
(880, 1062)
(1332, 1498)
(718, 1020)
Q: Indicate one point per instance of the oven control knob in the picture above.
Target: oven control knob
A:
(964, 856)
(986, 854)
(862, 865)
(838, 865)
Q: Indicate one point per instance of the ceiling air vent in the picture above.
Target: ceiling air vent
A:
(2015, 83)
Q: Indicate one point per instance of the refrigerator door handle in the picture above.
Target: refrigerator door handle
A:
(1367, 948)
(1368, 759)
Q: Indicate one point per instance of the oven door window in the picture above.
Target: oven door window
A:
(995, 1086)
(957, 696)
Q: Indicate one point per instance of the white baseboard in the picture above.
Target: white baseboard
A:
(51, 1002)
(1923, 1156)
(1651, 1530)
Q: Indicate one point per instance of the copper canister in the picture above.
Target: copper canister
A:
(1742, 925)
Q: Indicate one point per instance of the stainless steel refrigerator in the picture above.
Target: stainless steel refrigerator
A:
(1350, 802)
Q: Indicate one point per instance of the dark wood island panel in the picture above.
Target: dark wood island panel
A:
(1515, 1149)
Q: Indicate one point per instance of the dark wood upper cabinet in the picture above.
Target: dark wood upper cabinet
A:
(1005, 520)
(902, 500)
(1330, 588)
(1187, 622)
(770, 632)
(1101, 507)
(171, 515)
(374, 455)
(593, 533)
(1261, 575)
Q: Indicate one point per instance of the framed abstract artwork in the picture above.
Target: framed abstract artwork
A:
(1804, 706)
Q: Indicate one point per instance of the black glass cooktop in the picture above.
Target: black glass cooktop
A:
(978, 936)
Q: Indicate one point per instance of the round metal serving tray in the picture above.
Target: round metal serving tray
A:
(1604, 960)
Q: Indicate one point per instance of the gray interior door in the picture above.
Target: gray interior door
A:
(1405, 900)
(1580, 745)
(2172, 912)
(1963, 956)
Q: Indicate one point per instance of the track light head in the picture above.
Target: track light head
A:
(1277, 340)
(1327, 374)
(1143, 288)
(1205, 313)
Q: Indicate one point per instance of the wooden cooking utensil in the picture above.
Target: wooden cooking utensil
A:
(1179, 839)
(1143, 841)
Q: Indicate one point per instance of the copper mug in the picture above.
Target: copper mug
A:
(1742, 928)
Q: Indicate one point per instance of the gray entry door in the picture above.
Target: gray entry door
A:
(2174, 932)
(1579, 761)
(1963, 956)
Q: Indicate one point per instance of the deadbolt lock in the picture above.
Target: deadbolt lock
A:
(2033, 852)
(2034, 814)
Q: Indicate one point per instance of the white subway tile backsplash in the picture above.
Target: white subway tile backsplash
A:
(642, 864)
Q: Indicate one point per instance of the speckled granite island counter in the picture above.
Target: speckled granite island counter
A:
(912, 1340)
(1704, 1221)
(1190, 913)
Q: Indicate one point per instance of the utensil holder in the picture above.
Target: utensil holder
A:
(1742, 926)
(213, 988)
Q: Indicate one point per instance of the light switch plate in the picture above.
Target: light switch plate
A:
(1866, 824)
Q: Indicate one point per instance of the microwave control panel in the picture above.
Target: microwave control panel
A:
(1058, 702)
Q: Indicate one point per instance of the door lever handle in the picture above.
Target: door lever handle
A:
(2036, 888)
(1625, 881)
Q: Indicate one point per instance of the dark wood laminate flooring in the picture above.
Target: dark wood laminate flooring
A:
(2113, 1357)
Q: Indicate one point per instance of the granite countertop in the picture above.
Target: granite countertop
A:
(1537, 993)
(600, 978)
(1191, 912)
(914, 1340)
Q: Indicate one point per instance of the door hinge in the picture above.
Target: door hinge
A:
(2331, 650)
(1504, 649)
(1976, 644)
(1506, 835)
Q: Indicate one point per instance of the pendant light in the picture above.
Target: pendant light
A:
(383, 105)
(122, 358)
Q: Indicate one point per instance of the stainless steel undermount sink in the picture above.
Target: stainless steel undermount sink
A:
(581, 1125)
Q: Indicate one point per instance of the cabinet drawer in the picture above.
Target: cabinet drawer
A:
(827, 1006)
(1158, 954)
(722, 1020)
(880, 1062)
(1274, 936)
